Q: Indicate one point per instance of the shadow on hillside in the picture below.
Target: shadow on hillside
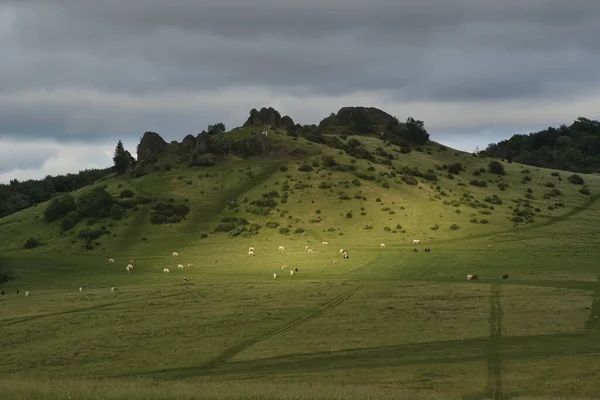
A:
(594, 320)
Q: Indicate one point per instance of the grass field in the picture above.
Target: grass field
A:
(385, 323)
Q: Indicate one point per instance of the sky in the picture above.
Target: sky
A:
(78, 75)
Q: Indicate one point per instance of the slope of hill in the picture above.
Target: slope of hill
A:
(572, 148)
(394, 322)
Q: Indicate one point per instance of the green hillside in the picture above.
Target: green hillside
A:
(387, 322)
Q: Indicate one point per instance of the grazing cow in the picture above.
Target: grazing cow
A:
(112, 289)
(296, 269)
(179, 266)
(469, 277)
(335, 261)
(284, 267)
(27, 293)
(472, 277)
(281, 248)
(111, 260)
(250, 253)
(505, 276)
(382, 245)
(166, 270)
(341, 250)
(132, 260)
(175, 254)
(427, 250)
(17, 291)
(274, 275)
(416, 241)
(346, 255)
(305, 247)
(416, 250)
(184, 280)
(324, 243)
(291, 272)
(80, 289)
(3, 293)
(250, 248)
(489, 245)
(190, 265)
(309, 250)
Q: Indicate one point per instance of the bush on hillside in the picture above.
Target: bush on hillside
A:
(127, 193)
(576, 179)
(454, 227)
(455, 168)
(59, 207)
(496, 168)
(494, 199)
(168, 213)
(585, 191)
(32, 242)
(479, 183)
(202, 160)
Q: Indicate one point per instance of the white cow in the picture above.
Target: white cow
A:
(179, 266)
(469, 277)
(250, 248)
(190, 266)
(281, 248)
(175, 254)
(291, 272)
(129, 268)
(166, 270)
(324, 243)
(251, 253)
(111, 260)
(275, 276)
(341, 250)
(80, 289)
(416, 241)
(382, 245)
(112, 289)
(27, 293)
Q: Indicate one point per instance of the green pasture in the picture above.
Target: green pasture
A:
(386, 323)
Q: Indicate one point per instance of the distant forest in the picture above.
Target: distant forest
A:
(573, 148)
(17, 195)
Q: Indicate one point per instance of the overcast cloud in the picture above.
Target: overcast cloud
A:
(77, 75)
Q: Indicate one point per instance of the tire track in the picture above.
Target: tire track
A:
(227, 354)
(10, 322)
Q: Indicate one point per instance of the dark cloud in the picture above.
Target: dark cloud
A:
(115, 68)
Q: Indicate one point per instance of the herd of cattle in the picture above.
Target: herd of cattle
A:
(251, 252)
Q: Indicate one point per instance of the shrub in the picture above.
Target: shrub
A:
(59, 207)
(32, 243)
(272, 224)
(549, 184)
(479, 183)
(455, 168)
(127, 194)
(496, 167)
(484, 221)
(305, 168)
(284, 230)
(368, 226)
(168, 213)
(283, 168)
(299, 230)
(576, 179)
(454, 227)
(555, 174)
(502, 186)
(435, 227)
(494, 199)
(410, 180)
(349, 214)
(585, 191)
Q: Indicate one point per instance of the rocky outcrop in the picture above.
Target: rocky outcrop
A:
(269, 116)
(151, 147)
(361, 119)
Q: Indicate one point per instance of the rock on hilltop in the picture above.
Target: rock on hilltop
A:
(269, 116)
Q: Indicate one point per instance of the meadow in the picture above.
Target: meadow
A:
(385, 323)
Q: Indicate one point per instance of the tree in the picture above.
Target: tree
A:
(217, 128)
(122, 158)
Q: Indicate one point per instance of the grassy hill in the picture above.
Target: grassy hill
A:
(387, 322)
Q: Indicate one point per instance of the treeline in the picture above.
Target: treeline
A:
(571, 148)
(17, 195)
